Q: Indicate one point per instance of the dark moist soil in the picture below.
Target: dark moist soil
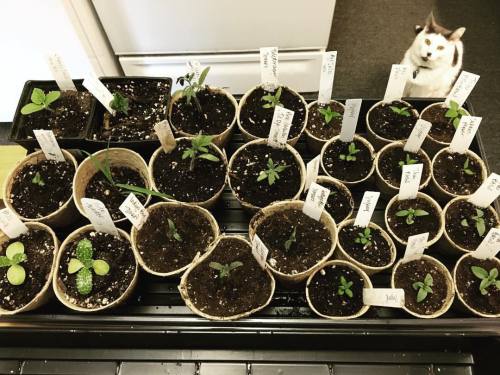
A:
(312, 244)
(247, 287)
(468, 286)
(164, 254)
(442, 128)
(422, 224)
(33, 201)
(117, 253)
(416, 270)
(377, 254)
(467, 237)
(344, 170)
(217, 113)
(317, 125)
(112, 197)
(257, 120)
(450, 175)
(39, 249)
(68, 120)
(390, 125)
(323, 291)
(247, 167)
(148, 104)
(172, 175)
(339, 203)
(389, 168)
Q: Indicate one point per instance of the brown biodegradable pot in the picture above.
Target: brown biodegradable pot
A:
(37, 294)
(351, 173)
(403, 125)
(318, 132)
(118, 158)
(119, 279)
(340, 204)
(314, 244)
(400, 230)
(253, 194)
(458, 238)
(322, 285)
(470, 298)
(66, 212)
(449, 179)
(442, 129)
(223, 135)
(382, 251)
(173, 165)
(290, 99)
(388, 171)
(158, 252)
(440, 300)
(247, 290)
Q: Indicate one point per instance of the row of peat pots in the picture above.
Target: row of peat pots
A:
(298, 235)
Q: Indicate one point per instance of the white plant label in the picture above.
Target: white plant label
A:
(165, 135)
(280, 127)
(195, 67)
(462, 88)
(48, 143)
(490, 246)
(259, 251)
(10, 224)
(465, 133)
(410, 181)
(397, 82)
(100, 92)
(312, 170)
(487, 192)
(327, 76)
(415, 247)
(350, 119)
(386, 297)
(366, 208)
(269, 68)
(134, 211)
(315, 202)
(99, 216)
(417, 136)
(60, 73)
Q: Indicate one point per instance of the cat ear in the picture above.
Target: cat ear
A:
(418, 29)
(430, 23)
(457, 34)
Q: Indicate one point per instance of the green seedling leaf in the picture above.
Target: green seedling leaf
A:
(84, 281)
(410, 214)
(143, 191)
(100, 267)
(291, 239)
(487, 278)
(172, 231)
(225, 269)
(272, 172)
(119, 103)
(272, 100)
(38, 96)
(84, 250)
(193, 87)
(40, 101)
(74, 265)
(466, 168)
(408, 161)
(365, 237)
(400, 111)
(454, 114)
(199, 150)
(13, 249)
(352, 151)
(423, 288)
(37, 180)
(16, 274)
(329, 114)
(345, 287)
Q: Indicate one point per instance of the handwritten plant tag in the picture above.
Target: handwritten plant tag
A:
(280, 127)
(194, 66)
(465, 133)
(385, 297)
(315, 202)
(100, 92)
(410, 181)
(60, 73)
(415, 247)
(99, 216)
(487, 192)
(10, 224)
(327, 76)
(397, 82)
(417, 136)
(259, 251)
(165, 135)
(312, 170)
(350, 119)
(269, 68)
(462, 88)
(48, 143)
(134, 211)
(366, 208)
(490, 246)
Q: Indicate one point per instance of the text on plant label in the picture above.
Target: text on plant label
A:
(194, 67)
(410, 181)
(415, 247)
(462, 88)
(417, 136)
(269, 67)
(489, 246)
(60, 73)
(259, 251)
(386, 297)
(487, 192)
(350, 119)
(366, 208)
(315, 202)
(134, 211)
(465, 133)
(48, 143)
(312, 170)
(100, 92)
(99, 216)
(327, 77)
(165, 135)
(280, 127)
(10, 224)
(397, 82)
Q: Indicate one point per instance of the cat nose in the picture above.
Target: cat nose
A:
(429, 54)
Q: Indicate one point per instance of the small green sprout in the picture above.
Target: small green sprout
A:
(466, 168)
(409, 161)
(400, 111)
(40, 101)
(291, 240)
(478, 218)
(455, 113)
(119, 103)
(83, 264)
(424, 287)
(199, 150)
(345, 287)
(364, 237)
(329, 114)
(487, 278)
(193, 87)
(272, 100)
(38, 180)
(352, 151)
(272, 172)
(225, 269)
(410, 214)
(14, 254)
(172, 231)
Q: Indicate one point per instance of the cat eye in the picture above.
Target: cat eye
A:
(428, 42)
(440, 48)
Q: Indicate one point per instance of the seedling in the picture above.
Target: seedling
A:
(84, 264)
(466, 168)
(172, 231)
(364, 237)
(424, 287)
(199, 150)
(225, 269)
(410, 214)
(119, 103)
(291, 240)
(409, 161)
(478, 219)
(14, 255)
(193, 87)
(487, 278)
(272, 100)
(400, 111)
(352, 151)
(345, 287)
(40, 100)
(272, 172)
(455, 113)
(38, 180)
(329, 114)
